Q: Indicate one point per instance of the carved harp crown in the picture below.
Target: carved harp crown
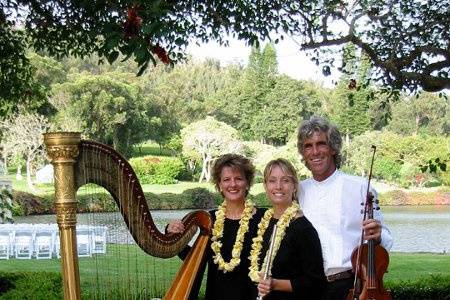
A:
(78, 162)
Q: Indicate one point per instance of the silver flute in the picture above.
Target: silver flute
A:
(269, 256)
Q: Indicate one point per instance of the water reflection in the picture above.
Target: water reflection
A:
(415, 228)
(117, 231)
(419, 228)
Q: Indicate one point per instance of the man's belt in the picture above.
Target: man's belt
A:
(339, 276)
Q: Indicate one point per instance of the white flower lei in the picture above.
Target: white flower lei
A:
(217, 233)
(282, 224)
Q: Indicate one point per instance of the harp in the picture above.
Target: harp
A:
(78, 162)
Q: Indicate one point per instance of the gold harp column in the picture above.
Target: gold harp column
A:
(62, 149)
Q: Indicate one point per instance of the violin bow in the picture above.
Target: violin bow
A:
(358, 257)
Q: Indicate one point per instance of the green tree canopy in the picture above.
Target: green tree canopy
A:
(257, 81)
(19, 86)
(407, 41)
(353, 94)
(108, 109)
(426, 113)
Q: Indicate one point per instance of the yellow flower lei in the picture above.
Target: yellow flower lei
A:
(217, 233)
(282, 224)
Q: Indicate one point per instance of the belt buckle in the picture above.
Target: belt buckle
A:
(338, 276)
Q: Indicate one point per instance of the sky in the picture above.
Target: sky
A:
(291, 61)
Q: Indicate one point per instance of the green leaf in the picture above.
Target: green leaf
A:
(142, 69)
(112, 56)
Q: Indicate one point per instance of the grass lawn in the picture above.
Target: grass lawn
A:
(125, 272)
(402, 266)
(122, 269)
(150, 148)
(410, 266)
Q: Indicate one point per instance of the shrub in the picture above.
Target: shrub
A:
(396, 197)
(144, 167)
(409, 175)
(31, 285)
(175, 144)
(202, 198)
(154, 170)
(399, 197)
(28, 204)
(261, 200)
(167, 171)
(386, 168)
(445, 176)
(167, 201)
(435, 287)
(96, 202)
(5, 206)
(398, 157)
(442, 196)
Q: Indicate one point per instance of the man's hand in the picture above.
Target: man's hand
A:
(372, 230)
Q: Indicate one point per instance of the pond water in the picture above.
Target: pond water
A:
(414, 228)
(419, 228)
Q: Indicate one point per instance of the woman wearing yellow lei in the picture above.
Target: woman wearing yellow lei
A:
(296, 267)
(234, 225)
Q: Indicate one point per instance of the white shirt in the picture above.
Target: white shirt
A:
(334, 207)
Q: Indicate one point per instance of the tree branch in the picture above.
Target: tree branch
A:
(394, 67)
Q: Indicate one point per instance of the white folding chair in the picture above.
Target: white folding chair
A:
(24, 242)
(99, 239)
(57, 246)
(6, 242)
(44, 242)
(84, 242)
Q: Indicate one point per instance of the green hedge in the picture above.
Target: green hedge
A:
(29, 204)
(198, 198)
(434, 287)
(144, 167)
(156, 170)
(201, 198)
(48, 286)
(31, 285)
(261, 200)
(440, 196)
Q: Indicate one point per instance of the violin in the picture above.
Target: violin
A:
(369, 261)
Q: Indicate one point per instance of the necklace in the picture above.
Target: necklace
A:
(282, 224)
(217, 233)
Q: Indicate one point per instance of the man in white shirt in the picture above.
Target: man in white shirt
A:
(331, 200)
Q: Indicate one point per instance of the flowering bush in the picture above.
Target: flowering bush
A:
(5, 206)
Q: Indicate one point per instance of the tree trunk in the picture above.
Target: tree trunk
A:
(19, 172)
(208, 171)
(204, 166)
(5, 164)
(29, 181)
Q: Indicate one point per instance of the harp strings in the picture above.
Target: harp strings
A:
(125, 271)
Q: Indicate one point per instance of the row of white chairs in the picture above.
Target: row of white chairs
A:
(24, 241)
